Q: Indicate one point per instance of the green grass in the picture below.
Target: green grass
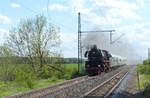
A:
(143, 80)
(47, 82)
(10, 88)
(145, 84)
(144, 71)
(73, 66)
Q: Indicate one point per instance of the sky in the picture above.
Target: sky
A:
(129, 17)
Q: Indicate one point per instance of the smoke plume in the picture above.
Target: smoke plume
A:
(120, 47)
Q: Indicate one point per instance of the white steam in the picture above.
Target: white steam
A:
(120, 47)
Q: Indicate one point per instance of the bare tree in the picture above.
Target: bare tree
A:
(35, 39)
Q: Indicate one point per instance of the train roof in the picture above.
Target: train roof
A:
(117, 56)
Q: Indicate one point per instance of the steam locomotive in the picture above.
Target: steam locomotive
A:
(99, 61)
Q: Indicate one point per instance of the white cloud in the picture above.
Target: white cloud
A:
(115, 4)
(113, 12)
(69, 44)
(5, 19)
(137, 34)
(57, 7)
(140, 3)
(15, 5)
(100, 12)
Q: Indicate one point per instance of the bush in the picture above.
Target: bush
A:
(146, 62)
(66, 76)
(77, 74)
(24, 77)
(45, 73)
(7, 72)
(51, 70)
(147, 87)
(144, 69)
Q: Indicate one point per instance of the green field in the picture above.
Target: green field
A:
(74, 66)
(12, 87)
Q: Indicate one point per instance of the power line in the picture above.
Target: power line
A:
(112, 25)
(101, 12)
(117, 38)
(24, 6)
(29, 9)
(98, 31)
(112, 22)
(55, 22)
(47, 8)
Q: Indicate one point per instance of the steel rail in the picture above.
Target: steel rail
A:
(111, 91)
(107, 81)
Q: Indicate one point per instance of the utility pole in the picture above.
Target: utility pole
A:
(79, 42)
(148, 53)
(110, 37)
(138, 80)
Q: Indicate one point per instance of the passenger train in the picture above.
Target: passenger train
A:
(99, 61)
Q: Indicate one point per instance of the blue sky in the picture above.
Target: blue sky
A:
(125, 16)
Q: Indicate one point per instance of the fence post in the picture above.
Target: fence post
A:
(138, 79)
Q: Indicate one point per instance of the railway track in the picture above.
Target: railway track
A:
(76, 87)
(48, 90)
(105, 89)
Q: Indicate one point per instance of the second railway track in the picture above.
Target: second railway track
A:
(105, 89)
(74, 88)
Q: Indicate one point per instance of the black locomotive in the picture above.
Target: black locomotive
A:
(98, 61)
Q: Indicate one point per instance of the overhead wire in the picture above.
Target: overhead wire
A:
(24, 6)
(55, 22)
(118, 35)
(47, 8)
(35, 12)
(112, 21)
(104, 16)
